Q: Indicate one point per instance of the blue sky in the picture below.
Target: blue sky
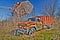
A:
(4, 13)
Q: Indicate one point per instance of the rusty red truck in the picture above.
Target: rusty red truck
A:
(34, 24)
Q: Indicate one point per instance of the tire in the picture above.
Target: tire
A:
(49, 27)
(46, 27)
(14, 32)
(30, 31)
(33, 29)
(17, 33)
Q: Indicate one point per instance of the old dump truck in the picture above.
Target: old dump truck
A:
(34, 24)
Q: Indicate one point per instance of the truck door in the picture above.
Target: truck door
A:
(39, 23)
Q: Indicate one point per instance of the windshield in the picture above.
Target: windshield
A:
(35, 19)
(31, 19)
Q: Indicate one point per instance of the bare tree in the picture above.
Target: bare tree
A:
(50, 10)
(58, 14)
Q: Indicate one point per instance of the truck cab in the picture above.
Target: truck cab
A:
(30, 26)
(35, 19)
(38, 22)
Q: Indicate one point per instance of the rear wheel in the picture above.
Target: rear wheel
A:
(49, 26)
(46, 27)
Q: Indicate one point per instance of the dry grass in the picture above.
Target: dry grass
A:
(40, 35)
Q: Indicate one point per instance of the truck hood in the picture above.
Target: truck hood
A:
(27, 22)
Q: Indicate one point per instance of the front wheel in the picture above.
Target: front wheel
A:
(31, 30)
(15, 32)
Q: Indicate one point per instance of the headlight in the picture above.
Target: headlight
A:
(20, 26)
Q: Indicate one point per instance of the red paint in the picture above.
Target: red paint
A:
(46, 19)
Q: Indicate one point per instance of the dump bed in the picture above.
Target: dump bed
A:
(46, 19)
